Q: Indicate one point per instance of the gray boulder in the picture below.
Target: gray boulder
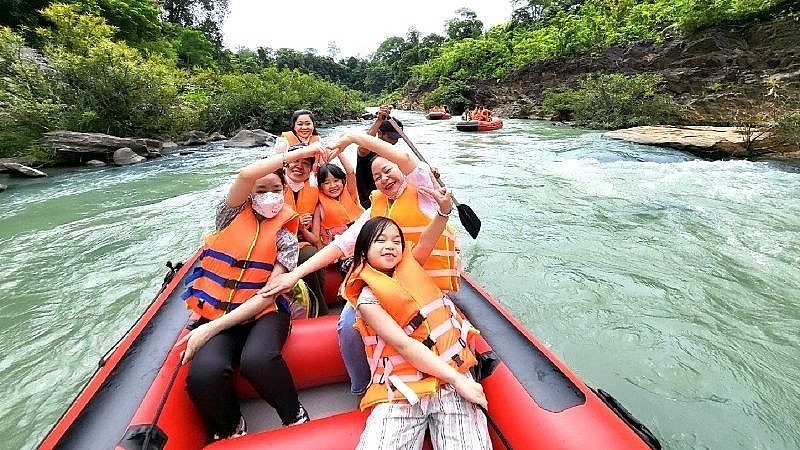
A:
(125, 156)
(703, 141)
(3, 187)
(251, 138)
(216, 136)
(83, 146)
(20, 170)
(95, 163)
(194, 137)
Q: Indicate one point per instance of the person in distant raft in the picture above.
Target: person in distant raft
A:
(400, 180)
(255, 240)
(302, 194)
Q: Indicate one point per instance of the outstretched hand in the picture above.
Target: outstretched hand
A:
(194, 340)
(278, 284)
(443, 196)
(331, 151)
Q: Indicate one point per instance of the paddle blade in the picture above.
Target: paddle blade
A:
(469, 219)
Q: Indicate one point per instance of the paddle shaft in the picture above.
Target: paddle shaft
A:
(416, 152)
(468, 218)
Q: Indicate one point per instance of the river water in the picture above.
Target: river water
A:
(668, 281)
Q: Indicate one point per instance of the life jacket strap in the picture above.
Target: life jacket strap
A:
(239, 263)
(199, 272)
(205, 297)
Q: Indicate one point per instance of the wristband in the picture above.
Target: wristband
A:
(439, 212)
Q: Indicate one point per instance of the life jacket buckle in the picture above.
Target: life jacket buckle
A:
(240, 263)
(231, 284)
(416, 321)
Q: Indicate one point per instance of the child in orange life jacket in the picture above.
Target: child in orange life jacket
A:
(416, 343)
(338, 201)
(255, 240)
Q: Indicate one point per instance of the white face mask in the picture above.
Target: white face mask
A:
(268, 204)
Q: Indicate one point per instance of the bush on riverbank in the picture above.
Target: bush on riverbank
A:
(90, 82)
(267, 99)
(28, 104)
(613, 101)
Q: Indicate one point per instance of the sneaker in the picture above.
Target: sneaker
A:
(302, 417)
(241, 430)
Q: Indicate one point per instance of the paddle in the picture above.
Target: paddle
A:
(466, 215)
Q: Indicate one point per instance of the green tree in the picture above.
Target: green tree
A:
(111, 86)
(29, 105)
(21, 14)
(465, 25)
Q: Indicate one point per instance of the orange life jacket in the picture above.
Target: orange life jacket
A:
(307, 199)
(292, 139)
(444, 264)
(236, 262)
(425, 314)
(337, 214)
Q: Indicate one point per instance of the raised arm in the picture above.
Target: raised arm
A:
(383, 112)
(428, 238)
(404, 161)
(247, 177)
(351, 177)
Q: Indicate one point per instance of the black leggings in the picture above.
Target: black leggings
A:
(257, 346)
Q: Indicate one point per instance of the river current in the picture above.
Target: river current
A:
(668, 281)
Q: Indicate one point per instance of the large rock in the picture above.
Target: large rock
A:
(704, 141)
(20, 170)
(194, 137)
(84, 146)
(251, 138)
(125, 157)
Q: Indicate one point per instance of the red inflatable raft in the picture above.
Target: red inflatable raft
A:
(137, 397)
(479, 125)
(438, 115)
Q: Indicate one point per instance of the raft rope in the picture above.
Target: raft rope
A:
(157, 415)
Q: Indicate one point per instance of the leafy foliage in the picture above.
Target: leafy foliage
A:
(465, 25)
(267, 99)
(614, 101)
(113, 88)
(455, 95)
(29, 105)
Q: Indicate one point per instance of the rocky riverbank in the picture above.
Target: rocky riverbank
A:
(97, 149)
(730, 76)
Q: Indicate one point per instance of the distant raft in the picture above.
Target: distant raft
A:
(480, 125)
(438, 115)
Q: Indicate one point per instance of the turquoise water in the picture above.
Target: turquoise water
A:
(668, 281)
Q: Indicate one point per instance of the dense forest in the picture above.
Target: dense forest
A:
(156, 68)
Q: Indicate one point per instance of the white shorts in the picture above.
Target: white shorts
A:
(454, 423)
